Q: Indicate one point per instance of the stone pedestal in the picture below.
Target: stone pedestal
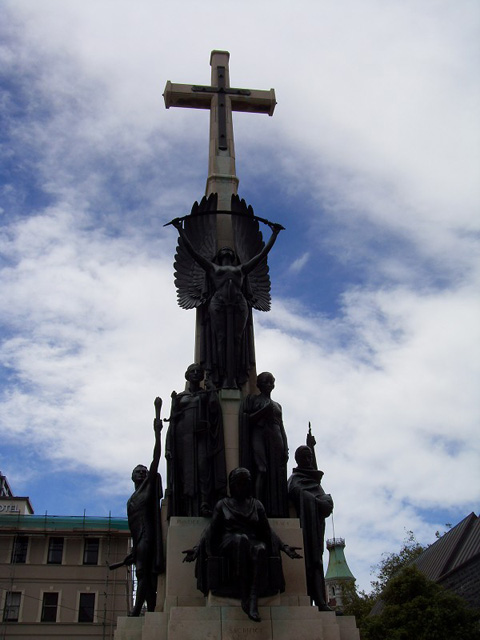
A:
(188, 615)
(231, 623)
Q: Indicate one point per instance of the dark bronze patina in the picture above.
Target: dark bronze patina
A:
(194, 449)
(144, 521)
(238, 554)
(225, 285)
(313, 505)
(264, 448)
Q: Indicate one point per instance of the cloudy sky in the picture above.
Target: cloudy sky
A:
(371, 162)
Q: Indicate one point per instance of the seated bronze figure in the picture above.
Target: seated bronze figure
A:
(238, 554)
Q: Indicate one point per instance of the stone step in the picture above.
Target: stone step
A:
(231, 623)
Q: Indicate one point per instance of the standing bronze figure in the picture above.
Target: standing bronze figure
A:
(264, 448)
(240, 535)
(195, 450)
(143, 511)
(225, 285)
(313, 505)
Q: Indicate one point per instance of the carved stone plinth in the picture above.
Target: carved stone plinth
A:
(187, 615)
(230, 623)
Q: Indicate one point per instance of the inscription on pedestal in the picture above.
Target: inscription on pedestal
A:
(258, 630)
(188, 522)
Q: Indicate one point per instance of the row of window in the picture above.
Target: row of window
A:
(55, 550)
(13, 600)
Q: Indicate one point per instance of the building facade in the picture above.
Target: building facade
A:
(54, 575)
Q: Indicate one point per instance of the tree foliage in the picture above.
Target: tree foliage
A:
(418, 609)
(415, 608)
(392, 563)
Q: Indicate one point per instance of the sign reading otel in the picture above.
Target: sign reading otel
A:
(15, 506)
(9, 508)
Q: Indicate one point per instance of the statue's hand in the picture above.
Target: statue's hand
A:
(325, 505)
(157, 423)
(190, 554)
(209, 385)
(291, 551)
(276, 228)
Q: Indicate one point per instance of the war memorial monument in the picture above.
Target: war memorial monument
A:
(235, 551)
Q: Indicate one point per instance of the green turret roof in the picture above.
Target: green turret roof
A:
(337, 565)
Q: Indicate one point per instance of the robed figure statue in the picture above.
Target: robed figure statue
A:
(194, 449)
(263, 447)
(239, 554)
(224, 284)
(313, 505)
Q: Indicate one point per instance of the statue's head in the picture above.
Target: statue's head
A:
(265, 381)
(240, 483)
(139, 473)
(195, 373)
(226, 255)
(304, 457)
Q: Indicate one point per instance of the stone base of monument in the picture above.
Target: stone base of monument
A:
(185, 614)
(231, 623)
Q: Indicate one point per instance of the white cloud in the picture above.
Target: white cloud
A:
(298, 264)
(376, 130)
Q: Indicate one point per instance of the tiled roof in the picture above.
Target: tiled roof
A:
(452, 550)
(448, 554)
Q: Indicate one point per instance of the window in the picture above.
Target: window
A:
(19, 551)
(49, 607)
(90, 552)
(55, 551)
(86, 607)
(12, 606)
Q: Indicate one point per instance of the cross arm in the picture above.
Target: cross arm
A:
(197, 97)
(257, 102)
(181, 95)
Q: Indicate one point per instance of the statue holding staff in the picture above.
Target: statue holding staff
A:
(312, 505)
(144, 522)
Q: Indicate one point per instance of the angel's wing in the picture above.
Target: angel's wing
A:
(190, 278)
(249, 243)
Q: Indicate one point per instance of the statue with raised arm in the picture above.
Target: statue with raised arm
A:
(195, 449)
(143, 511)
(225, 285)
(312, 505)
(263, 447)
(240, 535)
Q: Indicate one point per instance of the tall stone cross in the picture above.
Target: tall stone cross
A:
(221, 99)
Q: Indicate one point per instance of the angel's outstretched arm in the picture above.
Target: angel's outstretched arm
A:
(201, 260)
(251, 264)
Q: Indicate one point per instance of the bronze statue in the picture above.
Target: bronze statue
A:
(143, 511)
(240, 534)
(195, 450)
(264, 448)
(313, 505)
(225, 285)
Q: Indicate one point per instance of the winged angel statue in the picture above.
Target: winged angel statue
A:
(224, 285)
